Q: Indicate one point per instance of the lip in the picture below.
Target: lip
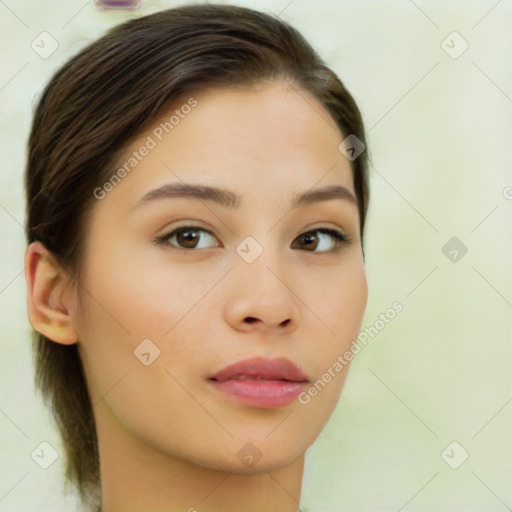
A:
(261, 382)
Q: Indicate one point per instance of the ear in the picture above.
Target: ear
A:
(47, 301)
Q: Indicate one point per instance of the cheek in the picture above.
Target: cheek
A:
(341, 304)
(126, 299)
(122, 310)
(341, 307)
(117, 312)
(131, 293)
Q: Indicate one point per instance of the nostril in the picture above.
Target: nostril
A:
(250, 319)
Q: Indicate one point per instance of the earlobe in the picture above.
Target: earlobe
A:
(48, 305)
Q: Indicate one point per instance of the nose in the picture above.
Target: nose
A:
(261, 297)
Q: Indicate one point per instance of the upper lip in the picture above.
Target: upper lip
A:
(263, 369)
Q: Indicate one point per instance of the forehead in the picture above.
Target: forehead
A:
(266, 141)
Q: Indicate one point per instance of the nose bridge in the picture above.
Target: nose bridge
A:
(262, 259)
(261, 291)
(262, 253)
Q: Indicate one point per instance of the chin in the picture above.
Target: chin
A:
(257, 461)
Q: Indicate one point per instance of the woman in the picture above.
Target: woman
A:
(196, 197)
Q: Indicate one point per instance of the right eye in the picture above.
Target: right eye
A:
(187, 238)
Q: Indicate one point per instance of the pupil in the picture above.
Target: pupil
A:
(188, 237)
(309, 238)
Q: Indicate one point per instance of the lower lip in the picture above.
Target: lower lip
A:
(261, 393)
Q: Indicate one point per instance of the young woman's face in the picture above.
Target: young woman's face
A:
(254, 274)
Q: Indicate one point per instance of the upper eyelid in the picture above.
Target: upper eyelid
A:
(200, 228)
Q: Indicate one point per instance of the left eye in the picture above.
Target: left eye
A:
(188, 238)
(325, 240)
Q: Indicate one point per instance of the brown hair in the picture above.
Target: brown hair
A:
(97, 103)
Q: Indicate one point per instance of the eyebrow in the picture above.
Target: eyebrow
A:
(229, 199)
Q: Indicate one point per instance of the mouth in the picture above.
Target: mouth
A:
(261, 382)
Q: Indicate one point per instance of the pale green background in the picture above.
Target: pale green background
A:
(440, 134)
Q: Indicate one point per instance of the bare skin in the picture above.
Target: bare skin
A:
(168, 440)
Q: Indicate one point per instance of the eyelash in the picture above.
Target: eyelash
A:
(340, 237)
